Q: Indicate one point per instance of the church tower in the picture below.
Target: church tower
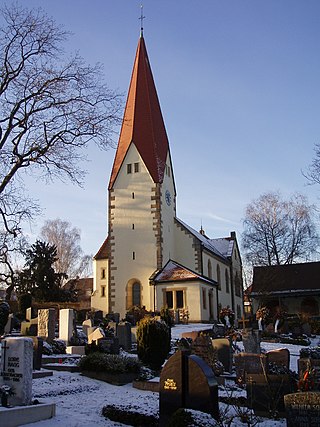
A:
(142, 196)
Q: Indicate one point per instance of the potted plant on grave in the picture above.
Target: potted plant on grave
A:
(226, 316)
(5, 392)
(262, 315)
(279, 317)
(309, 366)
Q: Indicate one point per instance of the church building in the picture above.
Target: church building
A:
(150, 258)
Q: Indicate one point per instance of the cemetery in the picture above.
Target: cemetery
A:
(209, 372)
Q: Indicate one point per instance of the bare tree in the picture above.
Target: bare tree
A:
(313, 171)
(52, 106)
(277, 231)
(66, 239)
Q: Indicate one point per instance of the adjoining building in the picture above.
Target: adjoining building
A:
(150, 258)
(293, 287)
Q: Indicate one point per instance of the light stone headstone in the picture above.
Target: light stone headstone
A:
(86, 325)
(96, 335)
(16, 368)
(29, 313)
(66, 324)
(47, 324)
(8, 327)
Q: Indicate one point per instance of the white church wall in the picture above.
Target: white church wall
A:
(183, 248)
(134, 242)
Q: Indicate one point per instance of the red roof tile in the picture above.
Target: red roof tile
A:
(103, 252)
(142, 122)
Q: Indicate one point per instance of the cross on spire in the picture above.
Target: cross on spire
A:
(141, 19)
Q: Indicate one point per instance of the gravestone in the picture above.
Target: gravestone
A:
(280, 357)
(187, 382)
(29, 313)
(249, 363)
(124, 335)
(306, 329)
(29, 327)
(16, 368)
(8, 327)
(251, 341)
(303, 409)
(96, 335)
(219, 330)
(202, 347)
(86, 324)
(224, 352)
(37, 352)
(109, 345)
(47, 324)
(66, 324)
(265, 393)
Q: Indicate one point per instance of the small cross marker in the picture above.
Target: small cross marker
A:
(141, 19)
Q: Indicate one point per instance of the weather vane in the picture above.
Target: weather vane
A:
(141, 19)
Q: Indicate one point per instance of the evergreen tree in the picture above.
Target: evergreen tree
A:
(39, 277)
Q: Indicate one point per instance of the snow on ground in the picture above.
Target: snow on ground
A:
(79, 400)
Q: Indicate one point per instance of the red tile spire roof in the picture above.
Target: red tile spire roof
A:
(142, 123)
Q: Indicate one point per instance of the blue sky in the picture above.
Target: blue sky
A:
(238, 83)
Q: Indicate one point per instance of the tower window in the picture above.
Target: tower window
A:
(136, 294)
(132, 226)
(132, 195)
(136, 167)
(103, 291)
(133, 255)
(103, 273)
(129, 168)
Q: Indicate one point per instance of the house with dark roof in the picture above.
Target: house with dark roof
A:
(294, 287)
(150, 257)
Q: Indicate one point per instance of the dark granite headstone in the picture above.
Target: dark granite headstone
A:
(306, 329)
(251, 341)
(202, 394)
(124, 335)
(265, 393)
(109, 345)
(173, 380)
(37, 352)
(249, 363)
(186, 381)
(224, 352)
(303, 409)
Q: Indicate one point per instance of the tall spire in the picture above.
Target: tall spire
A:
(142, 122)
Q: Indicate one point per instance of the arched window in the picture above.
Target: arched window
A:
(136, 294)
(209, 269)
(218, 277)
(227, 282)
(133, 293)
(237, 285)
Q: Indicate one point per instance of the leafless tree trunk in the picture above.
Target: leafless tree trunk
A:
(278, 231)
(66, 239)
(52, 106)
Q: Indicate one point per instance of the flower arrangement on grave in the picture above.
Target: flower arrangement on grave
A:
(5, 392)
(225, 315)
(262, 313)
(184, 315)
(307, 382)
